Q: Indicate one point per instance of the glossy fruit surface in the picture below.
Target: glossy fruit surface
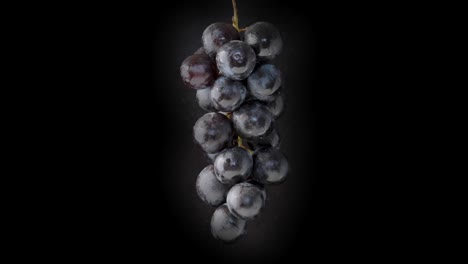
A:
(227, 95)
(236, 60)
(252, 119)
(233, 165)
(216, 35)
(225, 226)
(198, 71)
(265, 39)
(213, 131)
(245, 200)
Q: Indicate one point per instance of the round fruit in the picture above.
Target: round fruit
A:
(225, 226)
(264, 81)
(213, 131)
(233, 165)
(236, 60)
(204, 100)
(265, 39)
(209, 188)
(252, 119)
(227, 95)
(270, 166)
(198, 71)
(245, 200)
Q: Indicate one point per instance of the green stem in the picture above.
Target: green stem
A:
(235, 18)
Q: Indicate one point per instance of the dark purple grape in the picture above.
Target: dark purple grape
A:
(276, 107)
(233, 165)
(204, 100)
(216, 35)
(236, 60)
(213, 131)
(198, 71)
(252, 119)
(225, 226)
(270, 166)
(227, 95)
(209, 188)
(245, 200)
(264, 81)
(265, 39)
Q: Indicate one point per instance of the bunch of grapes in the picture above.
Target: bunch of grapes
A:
(239, 87)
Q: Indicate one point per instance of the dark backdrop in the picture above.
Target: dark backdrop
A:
(131, 130)
(116, 131)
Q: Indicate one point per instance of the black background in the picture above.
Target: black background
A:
(127, 139)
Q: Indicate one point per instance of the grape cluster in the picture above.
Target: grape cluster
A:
(240, 88)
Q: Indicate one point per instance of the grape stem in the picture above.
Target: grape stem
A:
(241, 144)
(235, 18)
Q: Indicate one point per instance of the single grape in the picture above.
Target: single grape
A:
(227, 95)
(213, 131)
(252, 119)
(276, 107)
(233, 165)
(198, 71)
(236, 60)
(265, 39)
(209, 188)
(204, 100)
(245, 200)
(270, 166)
(264, 81)
(225, 226)
(216, 35)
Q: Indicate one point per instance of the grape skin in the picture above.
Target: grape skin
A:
(198, 71)
(233, 165)
(252, 119)
(216, 35)
(225, 226)
(264, 81)
(265, 39)
(204, 100)
(270, 166)
(213, 131)
(276, 107)
(227, 95)
(209, 188)
(236, 60)
(245, 200)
